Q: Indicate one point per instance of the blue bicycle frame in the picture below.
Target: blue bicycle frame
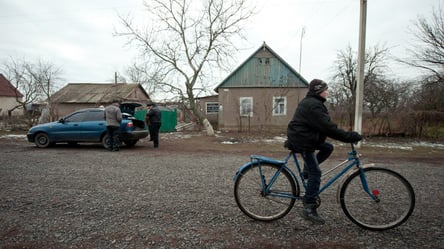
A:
(256, 159)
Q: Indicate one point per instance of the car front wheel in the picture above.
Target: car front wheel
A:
(42, 140)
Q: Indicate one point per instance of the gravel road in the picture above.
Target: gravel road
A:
(181, 196)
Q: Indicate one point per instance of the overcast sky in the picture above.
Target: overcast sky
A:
(78, 36)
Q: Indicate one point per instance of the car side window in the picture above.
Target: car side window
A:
(94, 116)
(76, 117)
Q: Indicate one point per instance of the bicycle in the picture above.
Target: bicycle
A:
(374, 198)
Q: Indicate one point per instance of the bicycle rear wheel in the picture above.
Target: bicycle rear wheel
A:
(395, 199)
(252, 199)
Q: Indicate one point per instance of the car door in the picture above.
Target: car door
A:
(67, 129)
(93, 125)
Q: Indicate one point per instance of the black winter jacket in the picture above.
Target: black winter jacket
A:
(311, 125)
(154, 115)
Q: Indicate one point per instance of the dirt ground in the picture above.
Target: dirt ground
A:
(181, 196)
(374, 149)
(270, 145)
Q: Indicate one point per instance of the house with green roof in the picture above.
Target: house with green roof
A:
(261, 94)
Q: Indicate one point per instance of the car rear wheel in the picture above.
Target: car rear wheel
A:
(105, 141)
(42, 140)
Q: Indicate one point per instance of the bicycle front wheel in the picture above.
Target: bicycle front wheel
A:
(262, 205)
(393, 202)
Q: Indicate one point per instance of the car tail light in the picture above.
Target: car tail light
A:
(130, 125)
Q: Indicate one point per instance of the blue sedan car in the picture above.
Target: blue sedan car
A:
(86, 126)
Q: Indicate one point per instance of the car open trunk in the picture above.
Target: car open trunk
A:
(138, 123)
(131, 108)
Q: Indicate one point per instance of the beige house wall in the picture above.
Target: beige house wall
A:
(7, 103)
(262, 117)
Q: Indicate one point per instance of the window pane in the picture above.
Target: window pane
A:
(279, 107)
(212, 108)
(94, 116)
(246, 106)
(76, 117)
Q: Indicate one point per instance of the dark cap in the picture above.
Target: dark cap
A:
(317, 86)
(150, 103)
(116, 101)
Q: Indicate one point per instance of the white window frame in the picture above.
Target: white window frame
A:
(211, 103)
(246, 102)
(279, 108)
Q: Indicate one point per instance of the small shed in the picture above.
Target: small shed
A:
(209, 105)
(76, 96)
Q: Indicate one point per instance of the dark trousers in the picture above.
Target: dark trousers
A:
(113, 134)
(312, 161)
(154, 133)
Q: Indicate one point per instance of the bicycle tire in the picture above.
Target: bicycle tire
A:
(395, 194)
(250, 197)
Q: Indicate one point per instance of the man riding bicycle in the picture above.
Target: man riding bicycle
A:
(307, 132)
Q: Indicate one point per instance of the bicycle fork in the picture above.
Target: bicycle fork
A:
(373, 193)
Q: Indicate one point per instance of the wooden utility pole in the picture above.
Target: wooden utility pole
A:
(361, 62)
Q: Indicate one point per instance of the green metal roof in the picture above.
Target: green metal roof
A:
(264, 68)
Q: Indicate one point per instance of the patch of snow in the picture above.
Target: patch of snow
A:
(390, 146)
(409, 146)
(229, 142)
(13, 136)
(427, 144)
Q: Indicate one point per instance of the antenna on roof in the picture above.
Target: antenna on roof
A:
(263, 45)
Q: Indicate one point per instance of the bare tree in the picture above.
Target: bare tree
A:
(47, 76)
(429, 96)
(144, 75)
(36, 81)
(428, 53)
(344, 80)
(386, 99)
(187, 40)
(17, 72)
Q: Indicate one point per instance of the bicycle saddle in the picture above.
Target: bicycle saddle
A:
(289, 146)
